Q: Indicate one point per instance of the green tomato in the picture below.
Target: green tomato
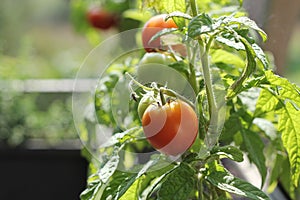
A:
(144, 103)
(153, 66)
(157, 58)
(156, 67)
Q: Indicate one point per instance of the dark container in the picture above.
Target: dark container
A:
(42, 174)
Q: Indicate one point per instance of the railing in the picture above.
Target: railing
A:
(47, 85)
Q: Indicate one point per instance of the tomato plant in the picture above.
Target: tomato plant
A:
(100, 18)
(244, 110)
(170, 128)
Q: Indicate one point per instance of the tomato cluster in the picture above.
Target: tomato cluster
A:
(170, 127)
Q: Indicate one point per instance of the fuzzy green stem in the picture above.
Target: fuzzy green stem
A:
(192, 77)
(207, 79)
(212, 136)
(213, 109)
(194, 7)
(138, 83)
(172, 93)
(200, 188)
(162, 97)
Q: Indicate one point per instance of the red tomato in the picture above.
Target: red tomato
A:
(100, 18)
(153, 26)
(171, 128)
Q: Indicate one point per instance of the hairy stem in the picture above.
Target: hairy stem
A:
(212, 135)
(208, 81)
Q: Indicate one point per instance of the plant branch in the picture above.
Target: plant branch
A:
(194, 8)
(213, 109)
(208, 81)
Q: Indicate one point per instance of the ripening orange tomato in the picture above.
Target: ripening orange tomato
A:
(171, 128)
(153, 26)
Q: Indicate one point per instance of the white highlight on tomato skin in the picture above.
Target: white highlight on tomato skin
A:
(158, 118)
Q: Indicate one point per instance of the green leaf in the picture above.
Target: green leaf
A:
(179, 18)
(102, 99)
(260, 54)
(179, 14)
(153, 177)
(127, 184)
(181, 67)
(175, 5)
(227, 182)
(286, 179)
(165, 6)
(230, 152)
(255, 148)
(247, 22)
(122, 137)
(150, 184)
(230, 42)
(222, 56)
(132, 191)
(91, 191)
(165, 31)
(118, 185)
(276, 171)
(284, 97)
(199, 25)
(289, 125)
(110, 166)
(287, 90)
(178, 184)
(266, 102)
(236, 87)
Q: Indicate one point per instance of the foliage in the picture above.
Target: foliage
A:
(243, 109)
(43, 45)
(28, 116)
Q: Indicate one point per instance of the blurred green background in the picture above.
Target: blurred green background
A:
(293, 56)
(37, 41)
(40, 40)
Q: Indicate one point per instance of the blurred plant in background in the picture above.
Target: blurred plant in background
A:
(30, 116)
(37, 41)
(293, 65)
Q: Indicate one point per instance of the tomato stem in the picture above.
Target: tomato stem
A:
(172, 93)
(212, 134)
(194, 8)
(162, 97)
(207, 79)
(138, 83)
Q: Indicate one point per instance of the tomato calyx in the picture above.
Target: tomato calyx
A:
(159, 94)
